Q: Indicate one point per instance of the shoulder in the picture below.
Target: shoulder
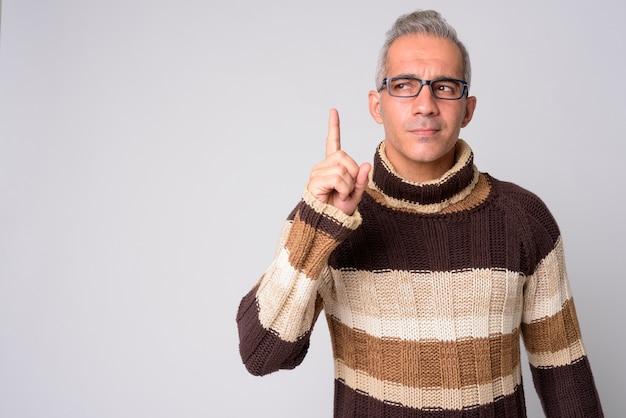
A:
(529, 219)
(525, 206)
(515, 193)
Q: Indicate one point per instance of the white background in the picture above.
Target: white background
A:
(150, 151)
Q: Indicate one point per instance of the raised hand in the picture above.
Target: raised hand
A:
(338, 180)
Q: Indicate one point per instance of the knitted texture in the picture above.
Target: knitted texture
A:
(427, 290)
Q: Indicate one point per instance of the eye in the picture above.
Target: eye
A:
(447, 88)
(402, 84)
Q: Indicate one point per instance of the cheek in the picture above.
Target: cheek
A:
(392, 115)
(458, 119)
(390, 122)
(461, 122)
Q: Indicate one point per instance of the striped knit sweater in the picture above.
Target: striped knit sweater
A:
(427, 290)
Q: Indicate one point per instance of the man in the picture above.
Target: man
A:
(428, 270)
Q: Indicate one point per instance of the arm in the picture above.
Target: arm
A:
(560, 368)
(276, 317)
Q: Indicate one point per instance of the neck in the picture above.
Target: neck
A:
(424, 172)
(419, 169)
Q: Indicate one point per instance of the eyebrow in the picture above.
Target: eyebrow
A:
(419, 78)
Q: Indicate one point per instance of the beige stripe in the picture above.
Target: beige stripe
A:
(426, 364)
(548, 288)
(559, 358)
(287, 299)
(428, 397)
(427, 305)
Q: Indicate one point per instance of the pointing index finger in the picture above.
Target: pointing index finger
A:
(333, 140)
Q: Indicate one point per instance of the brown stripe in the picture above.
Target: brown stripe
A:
(427, 364)
(514, 232)
(555, 333)
(261, 350)
(308, 248)
(486, 240)
(351, 403)
(568, 391)
(322, 221)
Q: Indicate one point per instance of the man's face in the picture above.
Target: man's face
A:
(421, 132)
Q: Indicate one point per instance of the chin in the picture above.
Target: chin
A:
(437, 156)
(428, 152)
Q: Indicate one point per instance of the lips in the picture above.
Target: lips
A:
(424, 131)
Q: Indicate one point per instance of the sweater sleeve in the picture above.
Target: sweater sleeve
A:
(276, 317)
(559, 365)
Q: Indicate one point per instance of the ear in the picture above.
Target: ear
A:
(470, 106)
(375, 106)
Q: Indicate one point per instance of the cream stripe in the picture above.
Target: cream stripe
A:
(432, 329)
(563, 357)
(287, 300)
(423, 305)
(427, 397)
(548, 288)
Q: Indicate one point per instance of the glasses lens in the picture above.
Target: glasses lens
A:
(447, 89)
(403, 87)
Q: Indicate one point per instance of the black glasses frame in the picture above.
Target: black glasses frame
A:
(423, 83)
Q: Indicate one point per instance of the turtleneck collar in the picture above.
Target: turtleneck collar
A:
(389, 189)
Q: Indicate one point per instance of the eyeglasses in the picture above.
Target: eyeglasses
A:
(441, 88)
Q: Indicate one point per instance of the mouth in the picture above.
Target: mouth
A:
(424, 132)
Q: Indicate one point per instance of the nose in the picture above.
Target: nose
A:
(425, 103)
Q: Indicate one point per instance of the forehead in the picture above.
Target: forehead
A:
(424, 55)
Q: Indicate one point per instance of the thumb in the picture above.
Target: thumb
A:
(361, 180)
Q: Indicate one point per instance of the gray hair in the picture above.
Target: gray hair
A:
(427, 22)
